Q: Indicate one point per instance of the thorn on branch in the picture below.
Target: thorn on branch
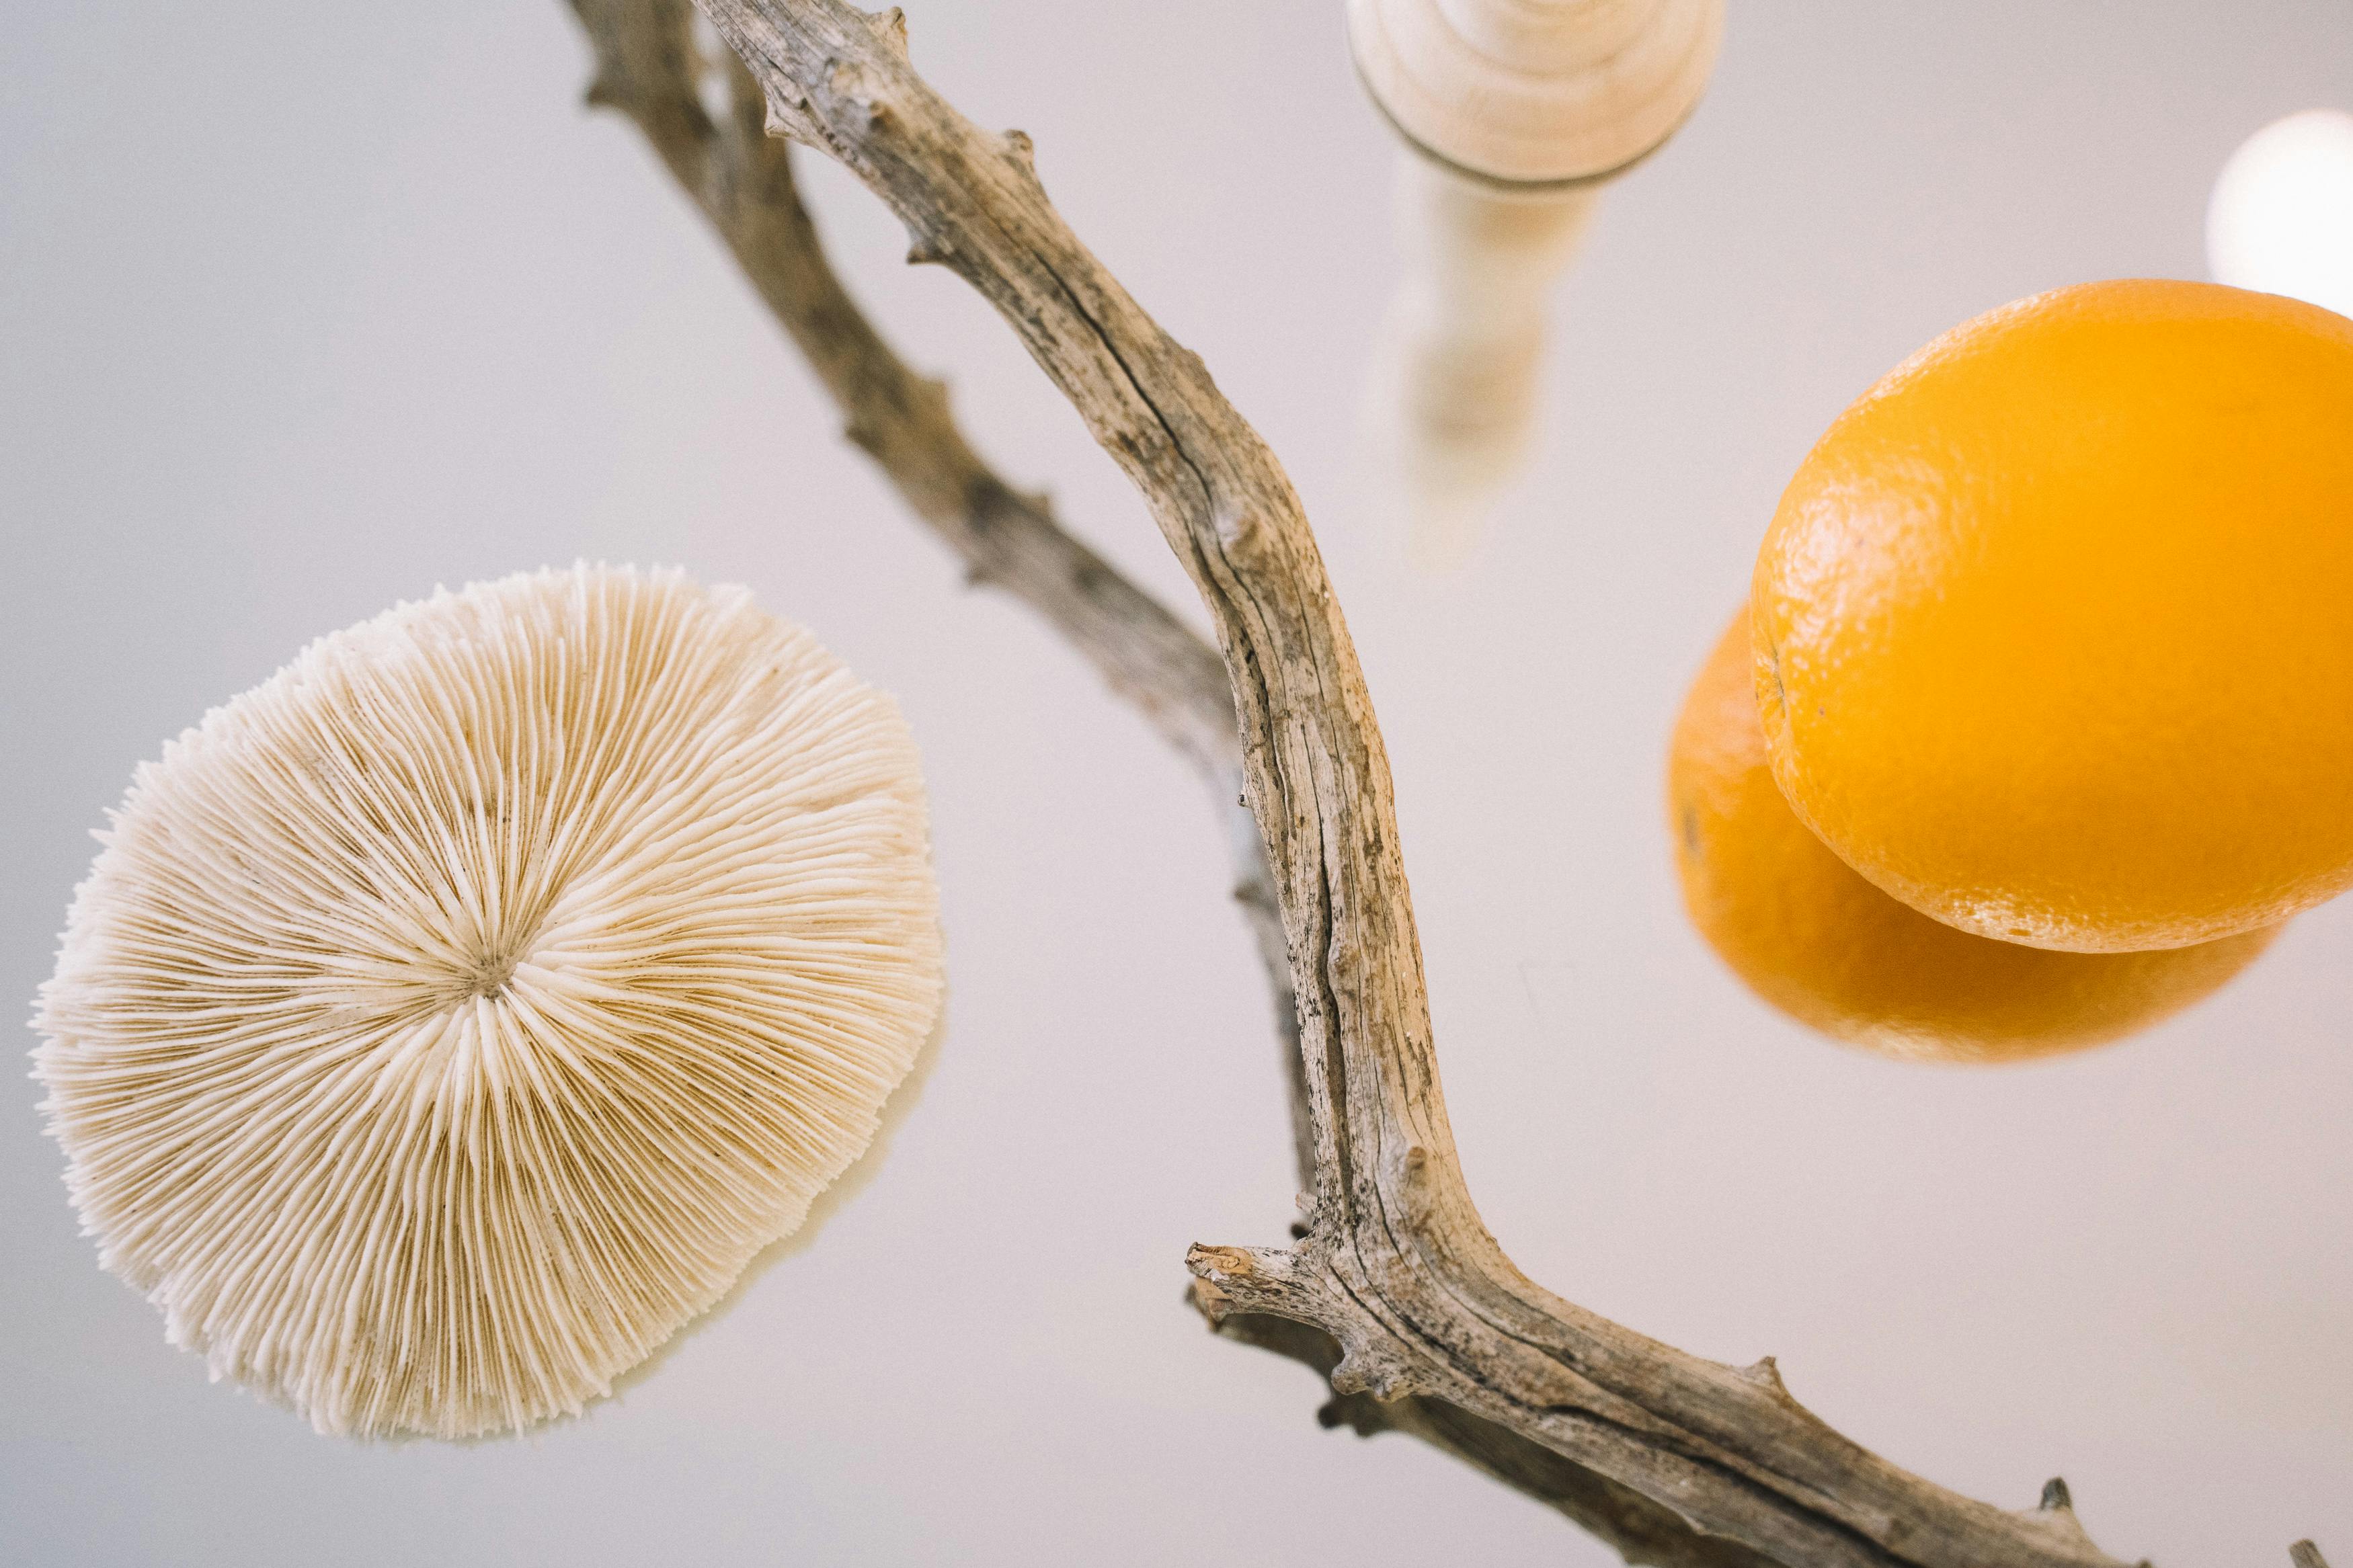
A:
(1766, 1374)
(890, 29)
(1360, 1414)
(1024, 151)
(1372, 1371)
(2056, 1513)
(928, 251)
(602, 93)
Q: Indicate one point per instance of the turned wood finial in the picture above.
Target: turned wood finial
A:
(1535, 92)
(1516, 112)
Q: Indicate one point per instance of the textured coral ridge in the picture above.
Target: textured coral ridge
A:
(454, 1015)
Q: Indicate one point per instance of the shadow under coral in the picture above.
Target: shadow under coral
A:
(821, 1210)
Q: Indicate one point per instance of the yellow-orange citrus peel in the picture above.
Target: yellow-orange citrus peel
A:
(1825, 946)
(2054, 626)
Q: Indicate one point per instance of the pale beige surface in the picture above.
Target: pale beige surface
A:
(260, 384)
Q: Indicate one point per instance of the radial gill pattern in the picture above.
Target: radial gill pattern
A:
(454, 1015)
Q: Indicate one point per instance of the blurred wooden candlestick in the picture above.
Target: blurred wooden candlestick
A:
(1515, 113)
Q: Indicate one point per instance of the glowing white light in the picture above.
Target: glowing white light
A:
(2281, 219)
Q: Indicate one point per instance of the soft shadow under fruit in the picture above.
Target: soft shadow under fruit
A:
(1808, 934)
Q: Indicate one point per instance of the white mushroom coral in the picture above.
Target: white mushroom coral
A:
(452, 1016)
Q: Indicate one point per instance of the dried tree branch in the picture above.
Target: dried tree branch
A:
(648, 69)
(1396, 1291)
(741, 180)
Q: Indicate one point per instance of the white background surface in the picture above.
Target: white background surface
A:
(308, 307)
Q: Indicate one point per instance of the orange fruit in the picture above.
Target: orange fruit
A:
(2055, 624)
(1818, 941)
